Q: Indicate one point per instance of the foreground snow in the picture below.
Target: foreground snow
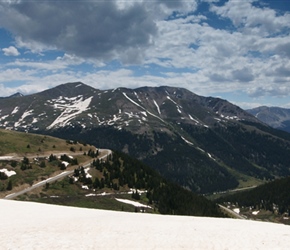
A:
(27, 225)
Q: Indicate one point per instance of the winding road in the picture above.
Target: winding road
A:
(231, 212)
(55, 178)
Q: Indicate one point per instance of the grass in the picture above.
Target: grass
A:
(25, 143)
(61, 192)
(64, 193)
(36, 148)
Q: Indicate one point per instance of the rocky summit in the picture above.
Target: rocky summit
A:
(205, 144)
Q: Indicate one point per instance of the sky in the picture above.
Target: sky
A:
(238, 50)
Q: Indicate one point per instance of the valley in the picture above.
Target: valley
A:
(193, 144)
(92, 177)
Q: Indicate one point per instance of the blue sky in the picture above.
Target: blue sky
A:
(238, 50)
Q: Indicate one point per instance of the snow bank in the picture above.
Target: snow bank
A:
(27, 225)
(3, 158)
(236, 210)
(134, 203)
(7, 172)
(65, 163)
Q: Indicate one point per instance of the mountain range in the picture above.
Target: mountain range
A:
(275, 117)
(205, 144)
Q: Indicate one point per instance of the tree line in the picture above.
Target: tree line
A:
(122, 171)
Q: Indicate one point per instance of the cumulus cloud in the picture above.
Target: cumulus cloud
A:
(103, 30)
(283, 71)
(218, 77)
(89, 29)
(173, 42)
(243, 75)
(267, 90)
(283, 48)
(11, 51)
(251, 19)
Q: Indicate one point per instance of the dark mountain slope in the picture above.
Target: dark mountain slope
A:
(119, 174)
(270, 196)
(205, 144)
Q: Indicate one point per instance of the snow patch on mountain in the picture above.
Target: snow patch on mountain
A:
(177, 106)
(191, 118)
(171, 100)
(188, 142)
(142, 107)
(24, 115)
(15, 110)
(137, 97)
(76, 106)
(112, 121)
(133, 101)
(3, 117)
(230, 117)
(158, 109)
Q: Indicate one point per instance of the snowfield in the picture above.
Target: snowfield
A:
(28, 225)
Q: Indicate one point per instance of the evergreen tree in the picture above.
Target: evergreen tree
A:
(135, 195)
(52, 158)
(76, 173)
(96, 183)
(71, 180)
(3, 176)
(9, 185)
(13, 164)
(42, 164)
(25, 160)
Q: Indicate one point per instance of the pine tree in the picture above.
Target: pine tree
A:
(96, 183)
(25, 160)
(42, 164)
(9, 185)
(3, 176)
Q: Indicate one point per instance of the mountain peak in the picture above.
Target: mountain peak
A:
(69, 89)
(273, 116)
(18, 94)
(172, 128)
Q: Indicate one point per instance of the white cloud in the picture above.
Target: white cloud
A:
(188, 51)
(10, 51)
(109, 30)
(254, 20)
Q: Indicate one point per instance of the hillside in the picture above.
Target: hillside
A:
(27, 158)
(122, 177)
(205, 144)
(57, 227)
(117, 175)
(270, 200)
(273, 116)
(22, 144)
